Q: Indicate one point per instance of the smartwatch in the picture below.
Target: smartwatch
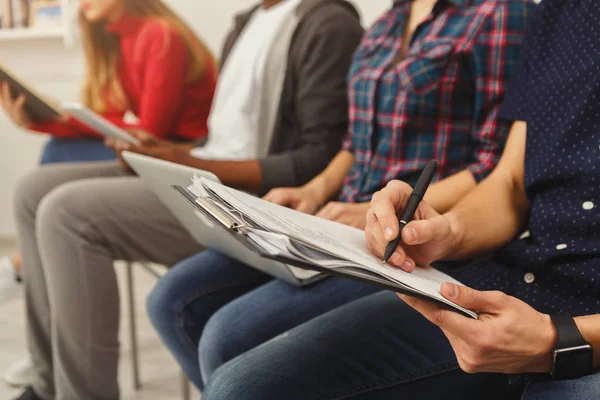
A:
(573, 356)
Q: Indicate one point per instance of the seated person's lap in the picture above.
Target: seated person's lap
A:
(373, 348)
(58, 150)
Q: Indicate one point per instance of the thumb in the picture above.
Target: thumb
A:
(434, 229)
(276, 197)
(109, 142)
(144, 137)
(472, 299)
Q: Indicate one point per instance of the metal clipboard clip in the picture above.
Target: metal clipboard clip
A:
(230, 218)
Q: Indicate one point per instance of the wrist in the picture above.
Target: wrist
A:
(588, 326)
(547, 344)
(457, 235)
(317, 189)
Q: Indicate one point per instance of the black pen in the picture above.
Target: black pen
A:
(411, 206)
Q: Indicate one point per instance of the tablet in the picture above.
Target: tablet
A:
(39, 108)
(97, 123)
(160, 175)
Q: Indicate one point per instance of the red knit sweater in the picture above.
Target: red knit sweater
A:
(152, 70)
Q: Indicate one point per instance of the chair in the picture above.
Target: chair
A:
(185, 384)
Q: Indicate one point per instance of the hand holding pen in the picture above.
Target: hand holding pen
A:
(420, 237)
(411, 206)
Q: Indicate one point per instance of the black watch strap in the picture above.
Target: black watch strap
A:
(573, 356)
(568, 333)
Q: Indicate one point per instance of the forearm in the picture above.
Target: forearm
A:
(328, 183)
(445, 194)
(244, 175)
(490, 217)
(589, 327)
(495, 211)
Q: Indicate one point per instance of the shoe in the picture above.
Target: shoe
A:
(29, 394)
(10, 288)
(19, 374)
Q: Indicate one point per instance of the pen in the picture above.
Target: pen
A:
(411, 206)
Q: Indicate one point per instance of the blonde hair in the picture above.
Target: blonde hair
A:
(102, 85)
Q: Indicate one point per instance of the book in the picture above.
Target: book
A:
(308, 242)
(97, 123)
(46, 14)
(39, 108)
(7, 14)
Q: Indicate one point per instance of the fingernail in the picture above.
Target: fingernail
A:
(407, 266)
(410, 234)
(452, 292)
(389, 233)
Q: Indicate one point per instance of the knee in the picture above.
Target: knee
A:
(241, 379)
(221, 340)
(159, 304)
(60, 212)
(29, 194)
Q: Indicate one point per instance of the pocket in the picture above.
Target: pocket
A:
(423, 68)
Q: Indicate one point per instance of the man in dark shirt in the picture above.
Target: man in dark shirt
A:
(541, 324)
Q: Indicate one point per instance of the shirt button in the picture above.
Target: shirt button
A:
(529, 277)
(561, 246)
(588, 205)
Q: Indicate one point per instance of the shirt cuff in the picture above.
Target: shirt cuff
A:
(480, 171)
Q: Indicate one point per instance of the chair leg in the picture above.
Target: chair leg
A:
(133, 328)
(185, 386)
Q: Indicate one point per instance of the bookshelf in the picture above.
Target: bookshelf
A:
(59, 29)
(32, 34)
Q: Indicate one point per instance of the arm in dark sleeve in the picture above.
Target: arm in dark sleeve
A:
(321, 100)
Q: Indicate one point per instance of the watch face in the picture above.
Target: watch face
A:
(573, 362)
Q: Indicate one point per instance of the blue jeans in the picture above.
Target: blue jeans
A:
(219, 308)
(373, 348)
(58, 150)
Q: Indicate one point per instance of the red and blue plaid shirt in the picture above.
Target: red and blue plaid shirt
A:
(440, 101)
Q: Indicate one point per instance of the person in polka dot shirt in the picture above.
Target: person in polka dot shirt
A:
(533, 228)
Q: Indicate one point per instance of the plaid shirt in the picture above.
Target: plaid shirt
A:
(440, 101)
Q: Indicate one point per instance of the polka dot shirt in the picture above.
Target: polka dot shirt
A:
(556, 90)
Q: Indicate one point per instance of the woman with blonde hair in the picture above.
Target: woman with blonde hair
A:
(141, 58)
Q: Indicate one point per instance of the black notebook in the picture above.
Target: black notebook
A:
(39, 108)
(308, 242)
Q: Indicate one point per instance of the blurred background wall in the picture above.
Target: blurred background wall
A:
(44, 61)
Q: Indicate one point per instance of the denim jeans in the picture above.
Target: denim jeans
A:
(373, 348)
(217, 307)
(59, 150)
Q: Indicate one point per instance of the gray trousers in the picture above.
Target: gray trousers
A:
(73, 221)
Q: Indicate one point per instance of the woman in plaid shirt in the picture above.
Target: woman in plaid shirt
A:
(426, 83)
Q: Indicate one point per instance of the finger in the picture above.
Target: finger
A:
(268, 196)
(423, 307)
(145, 138)
(303, 206)
(6, 96)
(447, 320)
(400, 260)
(374, 235)
(434, 229)
(329, 211)
(121, 146)
(403, 261)
(386, 205)
(277, 197)
(20, 103)
(486, 302)
(109, 142)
